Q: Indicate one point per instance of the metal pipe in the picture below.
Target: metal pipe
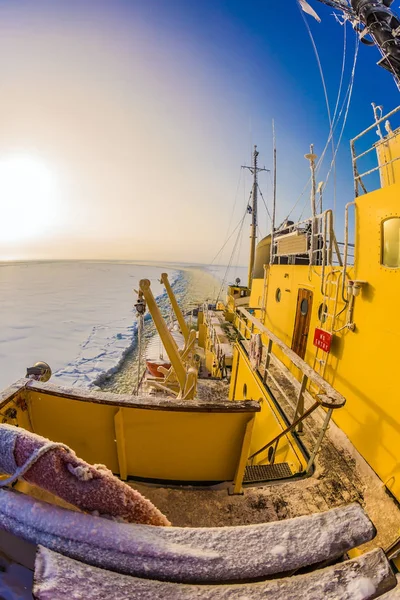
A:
(271, 260)
(378, 167)
(319, 440)
(394, 111)
(287, 430)
(346, 240)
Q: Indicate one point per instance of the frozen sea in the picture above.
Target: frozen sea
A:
(78, 316)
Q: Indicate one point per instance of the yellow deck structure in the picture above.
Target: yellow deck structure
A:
(314, 339)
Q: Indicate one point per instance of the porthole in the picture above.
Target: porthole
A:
(391, 243)
(278, 295)
(322, 312)
(245, 391)
(304, 307)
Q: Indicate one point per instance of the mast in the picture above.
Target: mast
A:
(254, 169)
(271, 260)
(253, 230)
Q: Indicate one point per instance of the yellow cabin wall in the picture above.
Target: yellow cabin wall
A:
(388, 151)
(257, 290)
(362, 364)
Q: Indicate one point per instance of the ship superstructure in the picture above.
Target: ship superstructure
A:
(276, 413)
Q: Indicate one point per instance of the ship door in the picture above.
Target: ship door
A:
(302, 322)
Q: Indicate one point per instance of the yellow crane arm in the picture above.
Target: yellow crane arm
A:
(164, 333)
(178, 313)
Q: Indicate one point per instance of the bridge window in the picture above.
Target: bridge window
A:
(244, 391)
(391, 242)
(278, 295)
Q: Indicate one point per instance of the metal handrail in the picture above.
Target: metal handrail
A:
(386, 164)
(329, 398)
(358, 182)
(321, 229)
(375, 123)
(333, 395)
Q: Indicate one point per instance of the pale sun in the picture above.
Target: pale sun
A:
(28, 198)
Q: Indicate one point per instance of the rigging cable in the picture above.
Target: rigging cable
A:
(334, 120)
(235, 202)
(239, 251)
(265, 204)
(321, 72)
(229, 237)
(232, 255)
(346, 103)
(349, 96)
(225, 243)
(337, 106)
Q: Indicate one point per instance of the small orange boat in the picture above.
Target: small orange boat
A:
(156, 356)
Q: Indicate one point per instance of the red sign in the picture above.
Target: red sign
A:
(322, 339)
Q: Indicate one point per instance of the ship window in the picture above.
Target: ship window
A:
(304, 307)
(278, 295)
(391, 242)
(322, 316)
(245, 391)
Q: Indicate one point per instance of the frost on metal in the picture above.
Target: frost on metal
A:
(61, 472)
(61, 578)
(187, 554)
(394, 594)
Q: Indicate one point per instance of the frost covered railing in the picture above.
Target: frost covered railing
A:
(145, 562)
(309, 242)
(148, 438)
(363, 578)
(386, 159)
(327, 399)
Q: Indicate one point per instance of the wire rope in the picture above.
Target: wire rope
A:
(321, 72)
(333, 121)
(225, 243)
(346, 103)
(235, 202)
(349, 97)
(231, 257)
(265, 204)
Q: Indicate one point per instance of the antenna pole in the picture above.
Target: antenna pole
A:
(312, 158)
(253, 229)
(274, 196)
(254, 169)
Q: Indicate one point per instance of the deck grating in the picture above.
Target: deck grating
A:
(259, 473)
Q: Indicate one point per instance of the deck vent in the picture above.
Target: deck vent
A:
(260, 473)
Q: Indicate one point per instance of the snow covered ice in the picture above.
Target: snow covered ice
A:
(77, 316)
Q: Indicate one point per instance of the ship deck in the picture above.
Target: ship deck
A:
(341, 476)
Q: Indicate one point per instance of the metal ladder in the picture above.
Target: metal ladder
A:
(331, 291)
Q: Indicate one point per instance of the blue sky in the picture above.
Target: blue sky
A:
(146, 110)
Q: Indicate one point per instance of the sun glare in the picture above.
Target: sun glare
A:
(28, 190)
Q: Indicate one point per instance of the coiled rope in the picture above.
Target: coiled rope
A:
(38, 453)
